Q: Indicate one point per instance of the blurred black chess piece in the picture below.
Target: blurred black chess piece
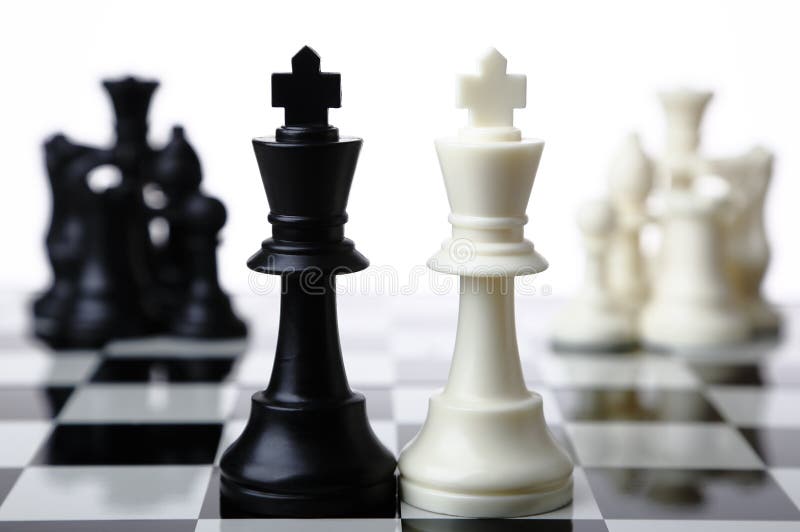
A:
(93, 296)
(132, 155)
(198, 307)
(106, 301)
(65, 234)
(110, 279)
(308, 449)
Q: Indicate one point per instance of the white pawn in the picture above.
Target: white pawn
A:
(630, 181)
(594, 321)
(693, 305)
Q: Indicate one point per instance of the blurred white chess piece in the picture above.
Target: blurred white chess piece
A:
(595, 321)
(747, 249)
(701, 288)
(629, 182)
(693, 304)
(683, 110)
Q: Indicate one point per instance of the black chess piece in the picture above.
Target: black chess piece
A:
(103, 302)
(111, 280)
(132, 155)
(64, 235)
(202, 309)
(176, 172)
(101, 247)
(308, 449)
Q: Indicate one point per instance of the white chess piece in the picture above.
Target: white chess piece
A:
(693, 305)
(684, 110)
(748, 250)
(594, 321)
(484, 450)
(630, 181)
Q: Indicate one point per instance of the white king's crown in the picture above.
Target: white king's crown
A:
(488, 172)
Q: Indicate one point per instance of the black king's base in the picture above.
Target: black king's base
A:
(308, 449)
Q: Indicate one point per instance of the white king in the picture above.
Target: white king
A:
(485, 450)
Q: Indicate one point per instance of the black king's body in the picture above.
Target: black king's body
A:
(308, 449)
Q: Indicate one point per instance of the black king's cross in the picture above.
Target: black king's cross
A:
(306, 94)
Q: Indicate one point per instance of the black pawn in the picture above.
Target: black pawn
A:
(308, 449)
(177, 173)
(203, 309)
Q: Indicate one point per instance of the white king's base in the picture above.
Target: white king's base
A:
(486, 505)
(684, 327)
(495, 460)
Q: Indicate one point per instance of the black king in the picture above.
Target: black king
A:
(308, 449)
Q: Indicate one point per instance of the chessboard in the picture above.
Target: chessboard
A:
(125, 441)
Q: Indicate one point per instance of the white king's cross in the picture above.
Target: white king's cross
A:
(492, 95)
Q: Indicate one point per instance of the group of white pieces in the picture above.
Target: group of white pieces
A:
(701, 288)
(484, 449)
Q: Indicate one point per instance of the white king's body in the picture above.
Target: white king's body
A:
(485, 450)
(488, 185)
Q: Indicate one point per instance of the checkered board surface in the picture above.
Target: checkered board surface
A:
(93, 441)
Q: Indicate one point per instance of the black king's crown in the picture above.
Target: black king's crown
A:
(307, 170)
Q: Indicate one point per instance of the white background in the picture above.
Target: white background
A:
(593, 69)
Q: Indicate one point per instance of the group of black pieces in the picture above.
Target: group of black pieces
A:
(307, 449)
(136, 258)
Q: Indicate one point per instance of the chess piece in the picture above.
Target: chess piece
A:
(629, 183)
(763, 316)
(133, 157)
(693, 305)
(65, 234)
(105, 304)
(595, 321)
(308, 449)
(87, 305)
(177, 173)
(203, 309)
(748, 250)
(484, 450)
(102, 301)
(102, 242)
(684, 110)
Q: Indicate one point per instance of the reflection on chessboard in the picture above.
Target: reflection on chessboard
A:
(94, 441)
